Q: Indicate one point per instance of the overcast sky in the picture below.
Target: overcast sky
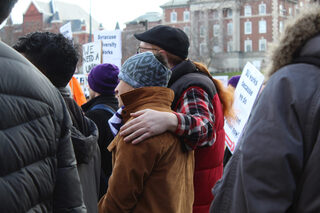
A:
(107, 12)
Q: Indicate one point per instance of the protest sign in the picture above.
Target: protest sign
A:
(66, 30)
(91, 53)
(111, 44)
(245, 95)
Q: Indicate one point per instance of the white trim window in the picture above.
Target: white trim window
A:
(215, 14)
(282, 10)
(248, 45)
(229, 46)
(280, 26)
(202, 31)
(262, 9)
(230, 28)
(229, 12)
(173, 17)
(216, 30)
(262, 44)
(262, 26)
(247, 27)
(186, 15)
(247, 10)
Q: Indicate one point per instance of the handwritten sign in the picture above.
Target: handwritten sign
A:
(66, 30)
(245, 94)
(111, 44)
(91, 53)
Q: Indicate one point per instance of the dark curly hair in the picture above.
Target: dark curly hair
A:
(53, 54)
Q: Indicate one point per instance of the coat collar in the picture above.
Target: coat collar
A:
(147, 97)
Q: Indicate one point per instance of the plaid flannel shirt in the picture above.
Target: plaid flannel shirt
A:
(196, 118)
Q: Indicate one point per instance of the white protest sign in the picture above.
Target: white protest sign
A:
(245, 94)
(91, 53)
(66, 30)
(111, 44)
(223, 79)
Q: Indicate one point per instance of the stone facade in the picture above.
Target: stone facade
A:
(226, 34)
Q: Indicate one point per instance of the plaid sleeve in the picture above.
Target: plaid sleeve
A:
(196, 118)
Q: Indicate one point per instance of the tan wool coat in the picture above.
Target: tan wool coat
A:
(155, 175)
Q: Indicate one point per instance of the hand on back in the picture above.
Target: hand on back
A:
(148, 123)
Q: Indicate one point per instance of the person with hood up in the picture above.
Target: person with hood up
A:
(275, 167)
(55, 56)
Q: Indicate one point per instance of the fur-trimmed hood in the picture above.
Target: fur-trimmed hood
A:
(299, 38)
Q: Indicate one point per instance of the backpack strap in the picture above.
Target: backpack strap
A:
(103, 107)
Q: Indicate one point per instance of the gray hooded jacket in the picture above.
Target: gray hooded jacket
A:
(276, 165)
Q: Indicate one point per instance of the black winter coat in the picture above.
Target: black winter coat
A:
(101, 117)
(37, 163)
(84, 135)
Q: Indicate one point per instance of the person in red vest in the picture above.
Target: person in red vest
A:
(200, 105)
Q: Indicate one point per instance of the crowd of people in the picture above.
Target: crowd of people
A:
(151, 136)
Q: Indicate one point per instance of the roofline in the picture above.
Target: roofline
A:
(38, 8)
(173, 6)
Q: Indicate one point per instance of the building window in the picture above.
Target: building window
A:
(262, 26)
(186, 16)
(202, 33)
(262, 44)
(216, 30)
(216, 49)
(230, 28)
(229, 12)
(187, 30)
(202, 48)
(290, 11)
(229, 46)
(247, 27)
(282, 11)
(280, 26)
(262, 9)
(248, 46)
(173, 17)
(215, 14)
(247, 10)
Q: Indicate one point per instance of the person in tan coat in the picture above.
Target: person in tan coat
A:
(157, 175)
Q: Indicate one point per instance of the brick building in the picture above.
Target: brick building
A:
(50, 16)
(226, 34)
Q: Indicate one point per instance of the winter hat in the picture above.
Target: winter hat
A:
(103, 78)
(144, 70)
(168, 38)
(234, 81)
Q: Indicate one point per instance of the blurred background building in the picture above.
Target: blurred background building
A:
(224, 34)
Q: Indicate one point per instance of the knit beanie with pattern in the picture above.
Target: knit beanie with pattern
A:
(144, 70)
